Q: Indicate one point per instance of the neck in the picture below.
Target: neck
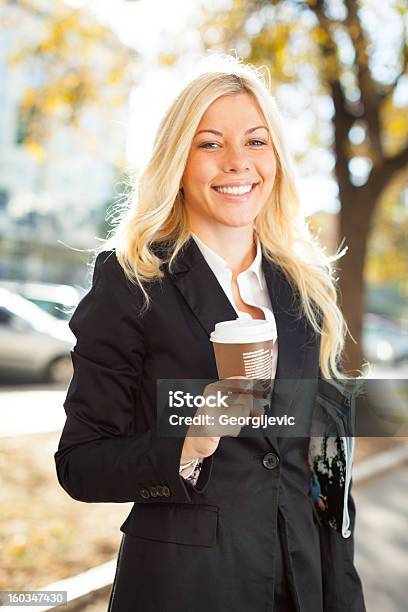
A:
(234, 244)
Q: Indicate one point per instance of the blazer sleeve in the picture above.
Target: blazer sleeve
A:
(100, 458)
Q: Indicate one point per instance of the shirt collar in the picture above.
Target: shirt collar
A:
(218, 264)
(256, 265)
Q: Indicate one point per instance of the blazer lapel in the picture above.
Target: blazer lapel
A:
(292, 344)
(200, 288)
(292, 332)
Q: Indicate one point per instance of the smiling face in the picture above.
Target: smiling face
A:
(231, 167)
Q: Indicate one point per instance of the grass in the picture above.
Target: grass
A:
(44, 534)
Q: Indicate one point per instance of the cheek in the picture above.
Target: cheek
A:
(272, 177)
(199, 170)
(267, 167)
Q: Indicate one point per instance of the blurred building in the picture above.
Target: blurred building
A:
(58, 190)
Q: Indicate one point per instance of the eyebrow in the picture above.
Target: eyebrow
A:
(217, 133)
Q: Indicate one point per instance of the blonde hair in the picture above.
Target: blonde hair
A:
(154, 212)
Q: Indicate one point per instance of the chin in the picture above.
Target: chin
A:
(238, 217)
(238, 222)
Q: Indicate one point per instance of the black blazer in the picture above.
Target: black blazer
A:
(211, 546)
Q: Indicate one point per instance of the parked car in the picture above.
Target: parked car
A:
(57, 300)
(33, 342)
(384, 341)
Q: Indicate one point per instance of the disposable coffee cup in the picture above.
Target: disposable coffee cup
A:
(244, 347)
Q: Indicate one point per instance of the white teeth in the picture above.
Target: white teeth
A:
(235, 190)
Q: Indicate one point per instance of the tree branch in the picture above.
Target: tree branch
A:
(343, 119)
(328, 46)
(391, 165)
(342, 122)
(368, 90)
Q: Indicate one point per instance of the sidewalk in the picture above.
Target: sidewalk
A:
(381, 540)
(29, 411)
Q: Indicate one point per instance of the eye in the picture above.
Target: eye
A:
(261, 142)
(208, 145)
(205, 144)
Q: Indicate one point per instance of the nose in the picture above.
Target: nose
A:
(236, 160)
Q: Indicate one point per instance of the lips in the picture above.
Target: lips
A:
(232, 185)
(236, 197)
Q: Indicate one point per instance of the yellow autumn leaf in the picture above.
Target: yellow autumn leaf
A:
(166, 60)
(319, 36)
(36, 150)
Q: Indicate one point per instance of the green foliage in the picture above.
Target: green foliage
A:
(76, 63)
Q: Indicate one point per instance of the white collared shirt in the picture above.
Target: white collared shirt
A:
(251, 282)
(253, 291)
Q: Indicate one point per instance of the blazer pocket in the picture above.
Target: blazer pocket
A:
(189, 524)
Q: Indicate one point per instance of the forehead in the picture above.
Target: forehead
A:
(227, 110)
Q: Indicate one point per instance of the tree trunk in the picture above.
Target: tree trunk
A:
(355, 221)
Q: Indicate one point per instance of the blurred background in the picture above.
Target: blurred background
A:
(83, 84)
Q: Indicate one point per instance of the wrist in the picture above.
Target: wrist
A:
(186, 470)
(186, 464)
(186, 460)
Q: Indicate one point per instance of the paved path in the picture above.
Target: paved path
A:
(381, 542)
(31, 410)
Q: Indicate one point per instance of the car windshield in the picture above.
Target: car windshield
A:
(26, 310)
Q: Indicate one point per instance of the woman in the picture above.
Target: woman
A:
(214, 231)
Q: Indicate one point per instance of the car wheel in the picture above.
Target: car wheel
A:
(59, 371)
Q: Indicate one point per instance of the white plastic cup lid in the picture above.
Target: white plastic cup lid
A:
(243, 330)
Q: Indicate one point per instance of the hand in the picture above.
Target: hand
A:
(202, 440)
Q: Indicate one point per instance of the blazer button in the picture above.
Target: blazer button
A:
(144, 493)
(153, 491)
(166, 491)
(270, 461)
(159, 489)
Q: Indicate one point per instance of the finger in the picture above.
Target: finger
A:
(236, 384)
(258, 408)
(241, 404)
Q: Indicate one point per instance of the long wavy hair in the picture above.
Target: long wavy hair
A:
(154, 213)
